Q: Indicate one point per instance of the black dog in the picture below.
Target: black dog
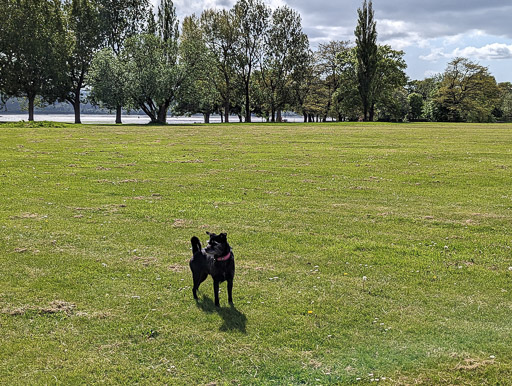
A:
(217, 259)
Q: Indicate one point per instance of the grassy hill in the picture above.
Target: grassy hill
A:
(364, 252)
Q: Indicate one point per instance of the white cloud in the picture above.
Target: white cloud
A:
(487, 52)
(434, 55)
(323, 34)
(399, 34)
(491, 51)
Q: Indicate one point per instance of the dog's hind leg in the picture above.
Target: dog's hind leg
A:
(216, 292)
(198, 279)
(230, 291)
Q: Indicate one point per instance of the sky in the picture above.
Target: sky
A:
(430, 32)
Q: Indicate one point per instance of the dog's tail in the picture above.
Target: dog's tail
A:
(196, 244)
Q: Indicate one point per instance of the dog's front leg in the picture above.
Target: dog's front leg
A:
(216, 292)
(230, 290)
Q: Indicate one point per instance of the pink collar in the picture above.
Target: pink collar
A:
(225, 257)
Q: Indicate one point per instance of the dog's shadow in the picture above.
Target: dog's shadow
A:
(233, 319)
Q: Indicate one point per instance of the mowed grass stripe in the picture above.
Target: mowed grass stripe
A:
(96, 227)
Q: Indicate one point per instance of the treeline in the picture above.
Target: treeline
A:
(244, 61)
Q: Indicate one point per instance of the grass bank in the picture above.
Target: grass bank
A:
(363, 252)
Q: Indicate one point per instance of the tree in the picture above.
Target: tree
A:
(329, 69)
(220, 36)
(506, 101)
(152, 66)
(198, 93)
(251, 18)
(366, 55)
(415, 106)
(108, 80)
(396, 107)
(301, 84)
(316, 101)
(285, 50)
(33, 67)
(121, 19)
(5, 31)
(389, 82)
(427, 89)
(467, 92)
(85, 38)
(347, 99)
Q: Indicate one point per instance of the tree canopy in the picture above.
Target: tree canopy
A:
(246, 60)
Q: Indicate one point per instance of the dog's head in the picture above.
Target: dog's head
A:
(217, 245)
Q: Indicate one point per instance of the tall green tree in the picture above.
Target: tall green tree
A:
(415, 106)
(109, 82)
(468, 92)
(427, 88)
(329, 68)
(505, 106)
(387, 84)
(390, 79)
(286, 48)
(85, 38)
(347, 99)
(302, 81)
(152, 65)
(5, 31)
(33, 56)
(220, 37)
(367, 58)
(198, 93)
(121, 19)
(251, 18)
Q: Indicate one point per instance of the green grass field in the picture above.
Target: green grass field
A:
(95, 241)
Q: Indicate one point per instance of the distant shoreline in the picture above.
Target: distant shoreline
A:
(105, 118)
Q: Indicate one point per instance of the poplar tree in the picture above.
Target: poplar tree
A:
(367, 58)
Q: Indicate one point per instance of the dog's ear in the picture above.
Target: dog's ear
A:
(224, 236)
(208, 233)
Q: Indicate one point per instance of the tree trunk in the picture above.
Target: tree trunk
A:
(118, 114)
(76, 107)
(372, 113)
(31, 107)
(221, 118)
(305, 117)
(273, 114)
(206, 117)
(226, 112)
(247, 104)
(162, 113)
(279, 117)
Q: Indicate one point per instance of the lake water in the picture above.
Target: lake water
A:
(126, 119)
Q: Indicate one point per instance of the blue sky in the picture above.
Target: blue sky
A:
(430, 32)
